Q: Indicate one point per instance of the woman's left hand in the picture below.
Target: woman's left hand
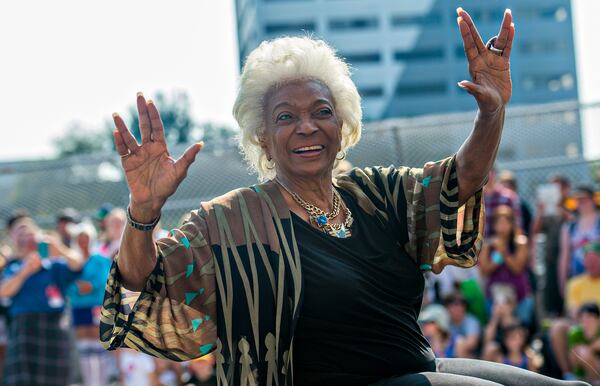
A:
(490, 72)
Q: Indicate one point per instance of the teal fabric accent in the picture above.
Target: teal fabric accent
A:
(425, 267)
(190, 269)
(426, 181)
(185, 242)
(196, 323)
(205, 349)
(190, 296)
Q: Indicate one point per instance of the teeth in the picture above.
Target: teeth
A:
(309, 148)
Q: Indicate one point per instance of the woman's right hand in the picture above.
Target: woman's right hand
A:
(152, 174)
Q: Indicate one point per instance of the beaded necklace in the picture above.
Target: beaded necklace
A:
(323, 219)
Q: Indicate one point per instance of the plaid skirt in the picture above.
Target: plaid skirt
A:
(39, 351)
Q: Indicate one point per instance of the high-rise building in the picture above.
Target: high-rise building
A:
(407, 55)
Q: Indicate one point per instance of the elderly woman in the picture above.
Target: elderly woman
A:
(305, 279)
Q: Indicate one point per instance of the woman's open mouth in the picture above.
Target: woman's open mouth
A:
(309, 151)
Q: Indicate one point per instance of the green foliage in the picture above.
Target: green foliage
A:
(79, 139)
(180, 128)
(175, 114)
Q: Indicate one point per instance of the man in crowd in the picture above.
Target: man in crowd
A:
(463, 324)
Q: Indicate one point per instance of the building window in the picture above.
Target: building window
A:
(487, 15)
(281, 28)
(352, 24)
(552, 83)
(543, 46)
(370, 92)
(419, 54)
(427, 19)
(558, 14)
(364, 57)
(406, 90)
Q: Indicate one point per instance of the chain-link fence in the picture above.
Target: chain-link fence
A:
(538, 141)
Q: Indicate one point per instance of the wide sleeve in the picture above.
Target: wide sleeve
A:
(444, 233)
(440, 231)
(174, 317)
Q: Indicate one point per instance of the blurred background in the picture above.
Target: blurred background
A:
(68, 65)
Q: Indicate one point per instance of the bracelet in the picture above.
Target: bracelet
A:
(140, 226)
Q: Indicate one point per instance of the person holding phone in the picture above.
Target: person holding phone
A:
(34, 280)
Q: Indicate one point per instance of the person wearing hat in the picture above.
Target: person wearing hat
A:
(66, 218)
(435, 323)
(549, 220)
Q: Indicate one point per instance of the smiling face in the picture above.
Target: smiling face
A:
(23, 235)
(302, 131)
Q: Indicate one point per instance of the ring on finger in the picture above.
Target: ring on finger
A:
(125, 155)
(490, 46)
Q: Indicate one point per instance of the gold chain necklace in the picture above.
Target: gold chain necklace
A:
(322, 219)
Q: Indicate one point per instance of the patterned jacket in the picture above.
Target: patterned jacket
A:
(229, 281)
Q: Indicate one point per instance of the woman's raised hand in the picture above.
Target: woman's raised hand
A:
(152, 174)
(490, 71)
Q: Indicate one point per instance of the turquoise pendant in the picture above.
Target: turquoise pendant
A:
(341, 233)
(321, 220)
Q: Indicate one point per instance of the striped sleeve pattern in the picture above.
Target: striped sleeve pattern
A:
(174, 317)
(426, 199)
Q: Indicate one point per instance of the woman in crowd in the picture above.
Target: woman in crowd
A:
(304, 279)
(504, 260)
(35, 280)
(577, 234)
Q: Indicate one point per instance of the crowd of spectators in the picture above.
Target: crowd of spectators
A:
(533, 299)
(506, 309)
(51, 290)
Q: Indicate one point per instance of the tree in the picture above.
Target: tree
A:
(180, 128)
(175, 114)
(79, 139)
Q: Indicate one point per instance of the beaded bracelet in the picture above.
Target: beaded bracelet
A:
(140, 226)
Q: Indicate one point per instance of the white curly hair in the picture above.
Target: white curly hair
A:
(285, 60)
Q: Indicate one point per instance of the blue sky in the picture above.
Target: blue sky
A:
(66, 61)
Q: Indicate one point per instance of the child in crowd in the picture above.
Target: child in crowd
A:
(516, 352)
(584, 343)
(503, 316)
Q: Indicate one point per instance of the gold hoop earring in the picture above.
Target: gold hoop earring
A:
(343, 156)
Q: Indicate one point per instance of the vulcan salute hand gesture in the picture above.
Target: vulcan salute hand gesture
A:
(489, 64)
(152, 174)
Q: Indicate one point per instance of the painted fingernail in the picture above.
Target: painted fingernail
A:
(115, 115)
(462, 84)
(150, 101)
(459, 10)
(140, 94)
(508, 11)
